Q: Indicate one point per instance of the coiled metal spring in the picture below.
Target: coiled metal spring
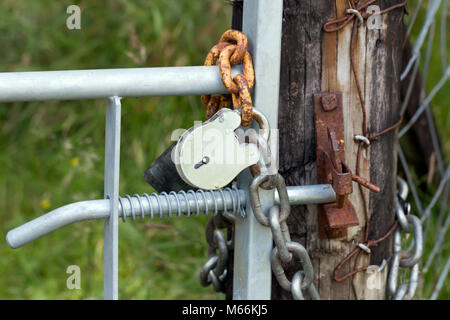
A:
(227, 200)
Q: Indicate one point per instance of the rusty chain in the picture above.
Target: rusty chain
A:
(229, 54)
(231, 50)
(357, 12)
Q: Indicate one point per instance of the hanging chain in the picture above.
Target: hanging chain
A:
(231, 50)
(239, 86)
(284, 250)
(214, 270)
(409, 224)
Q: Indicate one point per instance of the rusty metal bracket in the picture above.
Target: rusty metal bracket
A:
(334, 218)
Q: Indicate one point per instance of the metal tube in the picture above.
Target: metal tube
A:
(105, 83)
(100, 209)
(111, 192)
(314, 194)
(262, 22)
(151, 205)
(56, 219)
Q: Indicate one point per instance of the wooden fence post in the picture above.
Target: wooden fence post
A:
(314, 61)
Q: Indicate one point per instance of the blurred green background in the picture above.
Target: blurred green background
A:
(51, 153)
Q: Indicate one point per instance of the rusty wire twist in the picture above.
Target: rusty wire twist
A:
(357, 11)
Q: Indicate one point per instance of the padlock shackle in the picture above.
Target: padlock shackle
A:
(263, 123)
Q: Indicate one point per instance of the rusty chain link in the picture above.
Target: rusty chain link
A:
(241, 39)
(225, 69)
(358, 13)
(214, 103)
(229, 54)
(231, 50)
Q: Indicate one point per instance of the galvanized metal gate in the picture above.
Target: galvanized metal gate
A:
(262, 21)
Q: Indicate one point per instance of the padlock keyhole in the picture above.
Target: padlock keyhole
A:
(205, 160)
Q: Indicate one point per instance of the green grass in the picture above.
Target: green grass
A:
(441, 111)
(51, 153)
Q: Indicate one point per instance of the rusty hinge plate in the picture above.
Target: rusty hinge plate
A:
(334, 218)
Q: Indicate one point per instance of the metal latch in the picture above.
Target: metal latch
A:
(334, 218)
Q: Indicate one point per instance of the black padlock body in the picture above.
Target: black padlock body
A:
(162, 174)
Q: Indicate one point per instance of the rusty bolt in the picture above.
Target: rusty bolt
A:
(329, 102)
(365, 183)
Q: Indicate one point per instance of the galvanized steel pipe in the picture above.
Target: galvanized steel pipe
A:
(312, 194)
(159, 205)
(56, 219)
(155, 205)
(104, 83)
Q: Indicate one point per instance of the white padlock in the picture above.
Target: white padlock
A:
(210, 155)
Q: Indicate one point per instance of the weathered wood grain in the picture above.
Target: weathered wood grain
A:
(386, 56)
(313, 61)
